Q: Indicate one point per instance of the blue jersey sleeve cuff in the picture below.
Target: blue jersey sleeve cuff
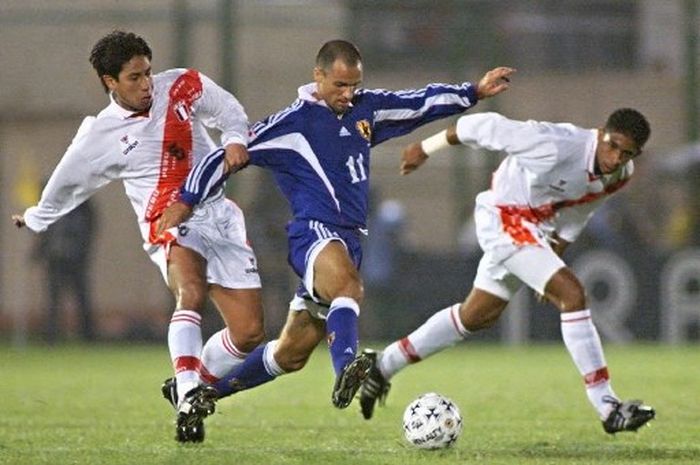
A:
(188, 198)
(471, 93)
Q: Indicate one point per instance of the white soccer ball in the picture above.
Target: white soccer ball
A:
(432, 421)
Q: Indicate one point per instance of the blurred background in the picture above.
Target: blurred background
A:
(577, 61)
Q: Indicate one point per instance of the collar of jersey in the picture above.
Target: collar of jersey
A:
(120, 111)
(306, 93)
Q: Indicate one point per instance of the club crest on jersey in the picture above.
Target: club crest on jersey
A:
(127, 145)
(364, 129)
(182, 112)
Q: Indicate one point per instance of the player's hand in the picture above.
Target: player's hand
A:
(18, 220)
(173, 216)
(494, 82)
(411, 158)
(237, 157)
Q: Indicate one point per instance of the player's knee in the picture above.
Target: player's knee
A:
(247, 339)
(573, 299)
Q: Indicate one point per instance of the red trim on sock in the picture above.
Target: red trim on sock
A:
(186, 363)
(229, 347)
(596, 377)
(206, 375)
(409, 351)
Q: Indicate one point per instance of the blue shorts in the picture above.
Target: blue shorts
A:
(307, 238)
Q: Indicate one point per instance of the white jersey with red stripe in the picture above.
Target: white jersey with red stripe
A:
(151, 152)
(545, 185)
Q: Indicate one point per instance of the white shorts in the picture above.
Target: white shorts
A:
(531, 265)
(521, 255)
(217, 232)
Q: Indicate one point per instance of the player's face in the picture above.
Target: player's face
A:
(337, 85)
(614, 150)
(134, 88)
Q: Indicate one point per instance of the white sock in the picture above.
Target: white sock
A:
(582, 340)
(185, 344)
(219, 357)
(440, 331)
(271, 365)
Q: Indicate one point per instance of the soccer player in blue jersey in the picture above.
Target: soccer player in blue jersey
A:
(318, 149)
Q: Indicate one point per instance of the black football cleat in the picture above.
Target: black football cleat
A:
(629, 415)
(349, 380)
(187, 427)
(375, 387)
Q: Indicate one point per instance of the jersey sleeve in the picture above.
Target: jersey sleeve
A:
(74, 180)
(219, 109)
(529, 141)
(400, 112)
(205, 178)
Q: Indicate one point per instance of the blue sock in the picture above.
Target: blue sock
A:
(254, 371)
(341, 329)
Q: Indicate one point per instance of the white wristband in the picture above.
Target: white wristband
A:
(435, 143)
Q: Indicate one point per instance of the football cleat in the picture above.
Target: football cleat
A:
(186, 429)
(629, 415)
(349, 380)
(169, 390)
(374, 389)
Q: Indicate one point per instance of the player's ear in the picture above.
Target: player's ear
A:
(109, 81)
(319, 74)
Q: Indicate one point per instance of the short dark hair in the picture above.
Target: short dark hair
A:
(113, 50)
(338, 49)
(631, 123)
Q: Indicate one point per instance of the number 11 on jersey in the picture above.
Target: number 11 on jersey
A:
(358, 173)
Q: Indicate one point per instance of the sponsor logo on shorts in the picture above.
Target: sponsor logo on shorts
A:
(253, 267)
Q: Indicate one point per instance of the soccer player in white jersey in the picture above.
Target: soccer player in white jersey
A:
(541, 197)
(149, 136)
(319, 150)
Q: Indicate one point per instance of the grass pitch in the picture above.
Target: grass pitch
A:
(102, 405)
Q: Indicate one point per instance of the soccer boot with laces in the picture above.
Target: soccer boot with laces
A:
(375, 388)
(349, 380)
(629, 415)
(184, 432)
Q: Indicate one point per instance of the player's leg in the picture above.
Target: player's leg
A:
(565, 291)
(242, 312)
(336, 280)
(481, 309)
(301, 334)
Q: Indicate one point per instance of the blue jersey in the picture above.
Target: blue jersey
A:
(321, 160)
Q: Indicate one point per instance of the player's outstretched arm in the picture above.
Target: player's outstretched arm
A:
(494, 82)
(417, 153)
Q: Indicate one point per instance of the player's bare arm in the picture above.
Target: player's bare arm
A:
(417, 153)
(494, 82)
(18, 220)
(173, 216)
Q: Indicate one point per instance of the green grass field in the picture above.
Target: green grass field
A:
(102, 405)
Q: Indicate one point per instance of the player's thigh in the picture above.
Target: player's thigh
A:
(335, 274)
(565, 291)
(187, 277)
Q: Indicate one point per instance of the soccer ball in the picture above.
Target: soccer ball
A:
(432, 421)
